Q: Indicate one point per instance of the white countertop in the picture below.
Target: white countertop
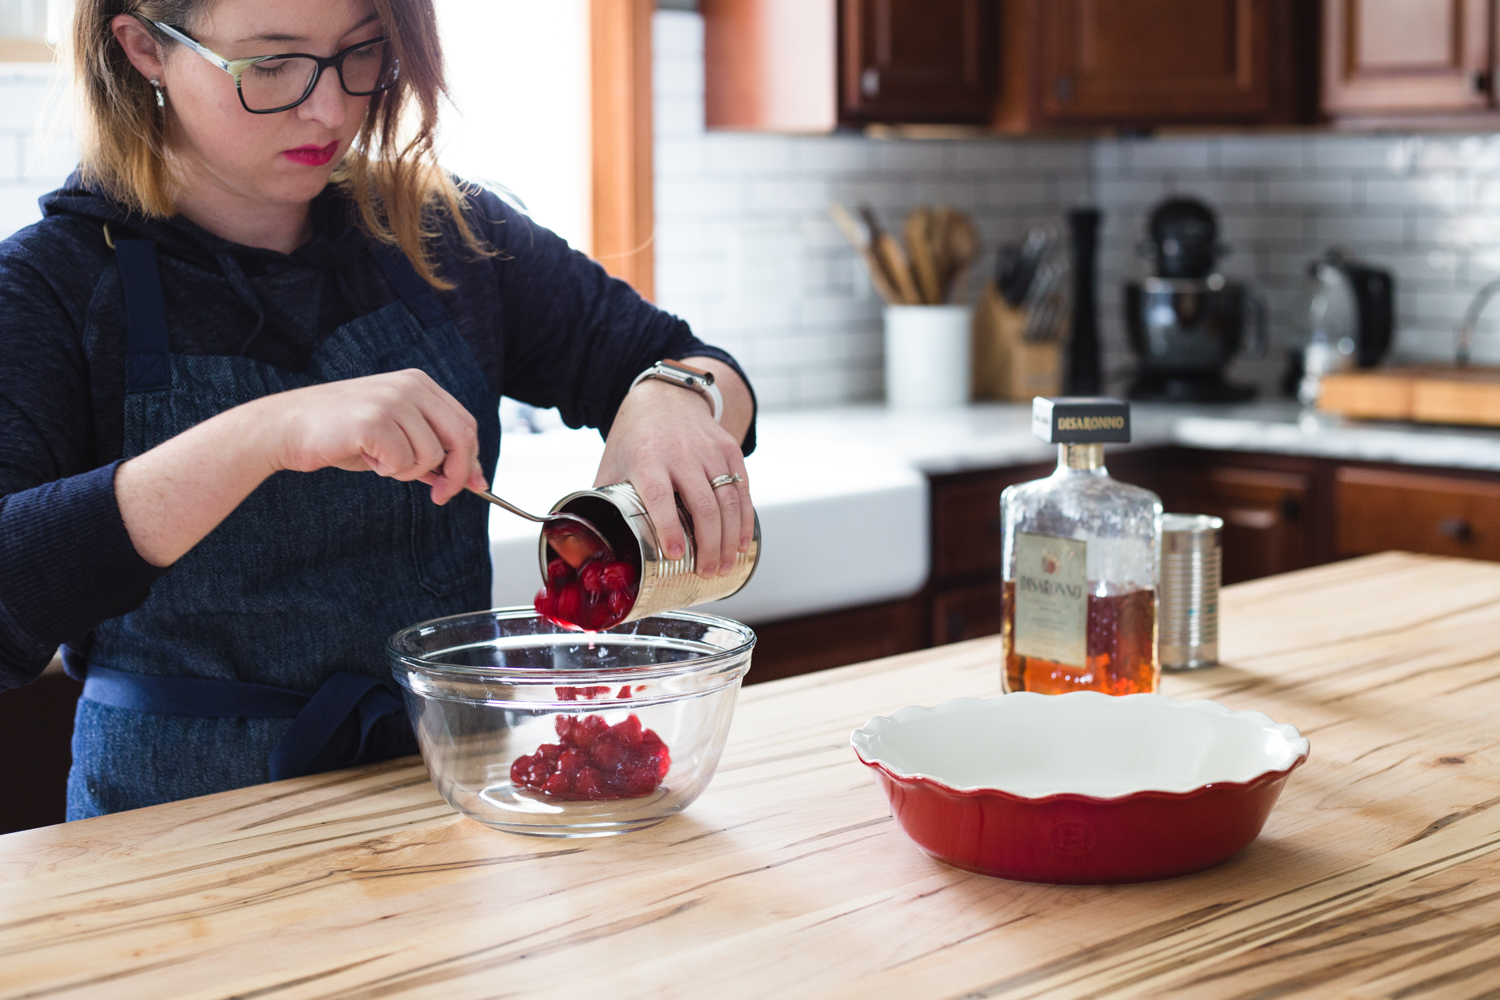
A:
(842, 493)
(992, 435)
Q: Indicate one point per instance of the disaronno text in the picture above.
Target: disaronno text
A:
(1034, 585)
(1090, 423)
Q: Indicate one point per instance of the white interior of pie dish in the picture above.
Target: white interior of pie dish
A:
(1083, 743)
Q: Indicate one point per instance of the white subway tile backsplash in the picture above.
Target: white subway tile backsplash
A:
(913, 156)
(702, 197)
(1225, 194)
(1051, 155)
(1471, 152)
(1379, 156)
(842, 154)
(1130, 192)
(1359, 232)
(988, 156)
(730, 153)
(673, 116)
(1172, 155)
(1439, 191)
(788, 195)
(1310, 190)
(1013, 191)
(1278, 153)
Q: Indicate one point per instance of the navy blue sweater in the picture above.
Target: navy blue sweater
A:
(546, 324)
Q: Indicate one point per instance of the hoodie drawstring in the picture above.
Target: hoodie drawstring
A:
(246, 291)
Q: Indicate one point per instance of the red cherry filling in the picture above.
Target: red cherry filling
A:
(597, 596)
(595, 760)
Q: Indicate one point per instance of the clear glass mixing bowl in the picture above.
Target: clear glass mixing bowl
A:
(485, 689)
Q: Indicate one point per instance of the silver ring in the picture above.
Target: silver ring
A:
(726, 479)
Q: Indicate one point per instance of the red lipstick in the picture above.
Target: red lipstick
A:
(312, 156)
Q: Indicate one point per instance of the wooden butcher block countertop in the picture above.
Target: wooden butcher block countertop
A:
(1378, 874)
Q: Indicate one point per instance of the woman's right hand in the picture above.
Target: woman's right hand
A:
(400, 424)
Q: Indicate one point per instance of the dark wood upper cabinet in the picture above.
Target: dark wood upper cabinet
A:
(916, 61)
(1403, 56)
(817, 65)
(1156, 62)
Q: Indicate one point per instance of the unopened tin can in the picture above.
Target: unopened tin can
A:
(666, 584)
(1188, 608)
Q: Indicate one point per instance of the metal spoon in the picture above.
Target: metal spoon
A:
(575, 539)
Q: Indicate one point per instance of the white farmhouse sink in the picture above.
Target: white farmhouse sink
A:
(842, 524)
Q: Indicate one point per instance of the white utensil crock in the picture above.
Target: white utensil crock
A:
(927, 356)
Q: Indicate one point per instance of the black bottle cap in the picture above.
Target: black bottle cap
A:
(1080, 419)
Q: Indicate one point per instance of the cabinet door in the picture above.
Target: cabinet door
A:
(1114, 61)
(916, 61)
(1264, 513)
(1405, 55)
(837, 638)
(966, 613)
(1438, 515)
(966, 539)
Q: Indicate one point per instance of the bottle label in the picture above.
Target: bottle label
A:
(1052, 603)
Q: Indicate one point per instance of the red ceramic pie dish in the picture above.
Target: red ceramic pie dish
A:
(1081, 787)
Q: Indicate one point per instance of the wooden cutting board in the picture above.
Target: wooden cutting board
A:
(1428, 394)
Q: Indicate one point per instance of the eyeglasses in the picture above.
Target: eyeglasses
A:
(268, 84)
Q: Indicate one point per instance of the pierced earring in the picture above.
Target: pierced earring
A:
(161, 96)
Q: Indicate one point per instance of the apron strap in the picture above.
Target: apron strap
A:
(415, 292)
(316, 718)
(342, 697)
(147, 368)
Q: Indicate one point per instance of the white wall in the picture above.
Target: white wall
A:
(518, 73)
(36, 150)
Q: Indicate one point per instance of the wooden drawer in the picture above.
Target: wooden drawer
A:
(966, 520)
(1438, 515)
(837, 638)
(1264, 512)
(966, 613)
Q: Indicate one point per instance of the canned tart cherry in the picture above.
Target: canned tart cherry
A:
(595, 761)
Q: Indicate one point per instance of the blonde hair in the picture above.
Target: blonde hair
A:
(396, 184)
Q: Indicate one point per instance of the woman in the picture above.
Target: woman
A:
(251, 359)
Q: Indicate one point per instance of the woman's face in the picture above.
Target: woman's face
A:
(286, 157)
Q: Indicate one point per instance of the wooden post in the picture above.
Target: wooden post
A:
(624, 216)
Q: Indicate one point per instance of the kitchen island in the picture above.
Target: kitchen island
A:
(1378, 874)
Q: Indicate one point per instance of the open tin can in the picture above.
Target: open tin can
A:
(665, 584)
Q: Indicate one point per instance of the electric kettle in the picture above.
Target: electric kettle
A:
(1351, 315)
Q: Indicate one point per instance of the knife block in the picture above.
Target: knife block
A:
(1006, 366)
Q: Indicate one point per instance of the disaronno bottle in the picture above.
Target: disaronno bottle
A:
(1080, 556)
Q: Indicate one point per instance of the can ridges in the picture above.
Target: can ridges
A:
(666, 585)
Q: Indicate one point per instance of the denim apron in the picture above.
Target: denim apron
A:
(260, 656)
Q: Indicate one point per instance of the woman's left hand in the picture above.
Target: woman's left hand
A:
(664, 441)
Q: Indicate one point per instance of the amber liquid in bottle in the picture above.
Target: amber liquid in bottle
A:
(1120, 652)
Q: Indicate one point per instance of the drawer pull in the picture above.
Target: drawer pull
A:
(1456, 528)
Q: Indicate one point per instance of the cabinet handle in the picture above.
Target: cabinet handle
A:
(1482, 82)
(1291, 509)
(869, 82)
(1063, 87)
(1456, 528)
